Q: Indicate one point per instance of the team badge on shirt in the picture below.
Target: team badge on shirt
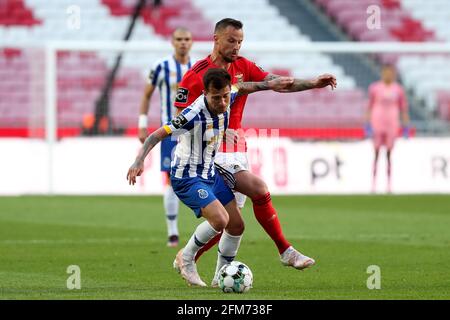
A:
(202, 193)
(239, 77)
(182, 95)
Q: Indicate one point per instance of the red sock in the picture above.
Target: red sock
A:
(208, 245)
(268, 219)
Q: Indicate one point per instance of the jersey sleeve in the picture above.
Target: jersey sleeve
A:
(155, 74)
(189, 89)
(256, 73)
(183, 121)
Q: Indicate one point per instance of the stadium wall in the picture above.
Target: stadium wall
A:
(94, 166)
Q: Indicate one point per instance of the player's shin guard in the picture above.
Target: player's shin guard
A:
(204, 233)
(228, 248)
(211, 243)
(171, 205)
(268, 219)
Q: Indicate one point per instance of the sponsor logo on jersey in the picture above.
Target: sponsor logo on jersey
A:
(239, 77)
(202, 193)
(182, 95)
(179, 121)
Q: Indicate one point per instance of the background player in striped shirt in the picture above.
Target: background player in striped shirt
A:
(228, 37)
(387, 102)
(165, 75)
(201, 127)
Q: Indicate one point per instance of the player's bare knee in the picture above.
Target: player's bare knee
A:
(223, 223)
(251, 185)
(237, 229)
(260, 188)
(218, 224)
(221, 220)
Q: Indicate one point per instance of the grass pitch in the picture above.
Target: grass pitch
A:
(119, 243)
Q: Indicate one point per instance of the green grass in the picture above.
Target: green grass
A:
(120, 245)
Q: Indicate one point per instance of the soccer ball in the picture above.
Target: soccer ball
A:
(235, 277)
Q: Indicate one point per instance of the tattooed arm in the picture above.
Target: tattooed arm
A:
(300, 85)
(275, 84)
(137, 167)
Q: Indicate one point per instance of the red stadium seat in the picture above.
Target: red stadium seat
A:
(15, 13)
(167, 17)
(352, 16)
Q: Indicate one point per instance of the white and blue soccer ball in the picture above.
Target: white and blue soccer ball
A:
(235, 277)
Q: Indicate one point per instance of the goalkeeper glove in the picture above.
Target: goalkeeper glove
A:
(405, 132)
(368, 132)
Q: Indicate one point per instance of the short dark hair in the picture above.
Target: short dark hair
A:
(182, 29)
(217, 77)
(222, 24)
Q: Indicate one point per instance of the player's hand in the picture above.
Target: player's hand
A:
(135, 170)
(280, 83)
(325, 80)
(405, 132)
(368, 131)
(142, 134)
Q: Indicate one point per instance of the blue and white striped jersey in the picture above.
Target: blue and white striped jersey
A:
(200, 134)
(166, 74)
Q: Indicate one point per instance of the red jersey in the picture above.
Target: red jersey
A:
(191, 87)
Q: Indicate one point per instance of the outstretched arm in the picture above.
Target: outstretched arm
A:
(275, 84)
(405, 118)
(137, 167)
(143, 110)
(321, 81)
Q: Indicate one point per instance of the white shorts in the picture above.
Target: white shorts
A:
(229, 163)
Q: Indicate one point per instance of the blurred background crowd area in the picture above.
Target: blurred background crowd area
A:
(339, 114)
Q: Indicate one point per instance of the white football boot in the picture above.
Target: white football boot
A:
(188, 270)
(215, 281)
(293, 258)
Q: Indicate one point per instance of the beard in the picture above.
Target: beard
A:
(227, 58)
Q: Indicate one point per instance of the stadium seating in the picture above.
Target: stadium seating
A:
(81, 76)
(164, 20)
(406, 20)
(397, 22)
(16, 13)
(14, 104)
(260, 19)
(315, 108)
